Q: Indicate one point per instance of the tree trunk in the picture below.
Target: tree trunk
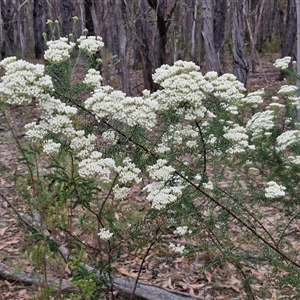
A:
(9, 44)
(219, 27)
(193, 37)
(66, 11)
(253, 33)
(208, 35)
(40, 15)
(88, 17)
(144, 42)
(161, 33)
(240, 62)
(291, 29)
(122, 37)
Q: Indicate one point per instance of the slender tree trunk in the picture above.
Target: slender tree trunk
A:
(193, 37)
(88, 17)
(240, 62)
(161, 34)
(122, 37)
(208, 35)
(2, 40)
(8, 17)
(219, 27)
(66, 11)
(144, 41)
(297, 2)
(253, 33)
(291, 29)
(40, 15)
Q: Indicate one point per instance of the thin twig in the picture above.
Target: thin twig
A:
(140, 268)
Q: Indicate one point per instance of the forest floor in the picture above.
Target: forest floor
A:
(217, 283)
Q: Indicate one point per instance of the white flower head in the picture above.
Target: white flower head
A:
(282, 63)
(90, 44)
(177, 248)
(93, 78)
(120, 192)
(288, 90)
(50, 147)
(105, 234)
(58, 50)
(23, 81)
(274, 190)
(181, 230)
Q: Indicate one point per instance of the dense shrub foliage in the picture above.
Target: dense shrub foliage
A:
(109, 174)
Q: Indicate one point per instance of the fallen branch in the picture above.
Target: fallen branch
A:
(147, 291)
(7, 273)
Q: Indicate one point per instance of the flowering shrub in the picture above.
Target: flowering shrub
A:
(177, 161)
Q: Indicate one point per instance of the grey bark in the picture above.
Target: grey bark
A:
(66, 11)
(8, 27)
(240, 62)
(40, 16)
(122, 51)
(161, 33)
(193, 35)
(291, 29)
(144, 44)
(219, 27)
(208, 35)
(253, 29)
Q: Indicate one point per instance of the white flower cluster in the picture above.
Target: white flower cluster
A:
(51, 106)
(106, 102)
(254, 98)
(160, 195)
(238, 137)
(23, 81)
(295, 101)
(105, 234)
(261, 123)
(208, 185)
(120, 192)
(97, 166)
(82, 145)
(228, 89)
(287, 139)
(110, 136)
(93, 78)
(176, 135)
(160, 170)
(181, 230)
(50, 147)
(282, 63)
(36, 132)
(59, 50)
(182, 85)
(128, 172)
(288, 90)
(177, 248)
(274, 190)
(90, 44)
(294, 159)
(166, 71)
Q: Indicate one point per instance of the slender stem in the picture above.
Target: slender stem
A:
(255, 219)
(285, 228)
(204, 147)
(106, 198)
(141, 266)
